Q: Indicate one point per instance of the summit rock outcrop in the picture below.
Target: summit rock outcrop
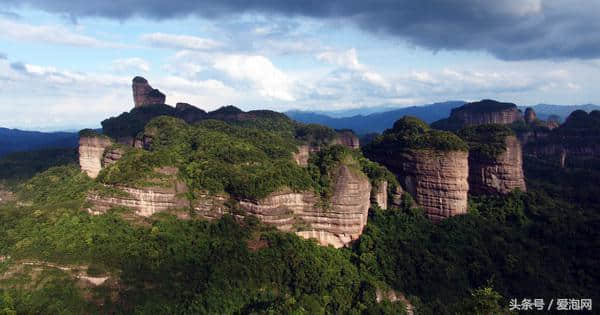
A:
(431, 165)
(144, 94)
(480, 113)
(495, 160)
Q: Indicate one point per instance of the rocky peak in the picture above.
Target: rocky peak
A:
(347, 138)
(431, 165)
(189, 113)
(495, 159)
(480, 113)
(144, 94)
(530, 115)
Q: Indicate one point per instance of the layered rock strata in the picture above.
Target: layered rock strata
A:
(91, 153)
(337, 225)
(379, 194)
(437, 180)
(499, 175)
(347, 138)
(144, 94)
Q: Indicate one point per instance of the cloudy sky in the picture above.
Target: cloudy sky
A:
(69, 63)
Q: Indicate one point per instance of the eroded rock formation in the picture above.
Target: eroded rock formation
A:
(347, 138)
(480, 113)
(499, 175)
(144, 94)
(379, 194)
(91, 153)
(337, 225)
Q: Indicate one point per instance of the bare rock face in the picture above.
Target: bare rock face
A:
(347, 138)
(379, 195)
(337, 225)
(396, 199)
(530, 115)
(437, 180)
(189, 113)
(5, 195)
(144, 94)
(112, 155)
(145, 201)
(91, 153)
(480, 113)
(301, 157)
(500, 175)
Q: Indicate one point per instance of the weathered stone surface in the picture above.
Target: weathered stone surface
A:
(530, 115)
(6, 195)
(144, 94)
(336, 225)
(500, 175)
(347, 138)
(396, 199)
(301, 157)
(379, 195)
(480, 113)
(91, 153)
(112, 155)
(437, 180)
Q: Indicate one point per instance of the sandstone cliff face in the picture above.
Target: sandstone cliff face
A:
(144, 94)
(347, 138)
(437, 180)
(301, 157)
(500, 175)
(91, 153)
(502, 117)
(336, 225)
(5, 195)
(379, 195)
(144, 201)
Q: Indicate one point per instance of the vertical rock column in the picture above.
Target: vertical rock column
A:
(499, 175)
(91, 152)
(437, 180)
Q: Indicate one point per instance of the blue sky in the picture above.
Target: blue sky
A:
(68, 65)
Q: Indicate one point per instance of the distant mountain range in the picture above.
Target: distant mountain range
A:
(364, 120)
(15, 140)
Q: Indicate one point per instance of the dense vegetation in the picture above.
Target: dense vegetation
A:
(20, 166)
(539, 244)
(486, 141)
(413, 133)
(485, 106)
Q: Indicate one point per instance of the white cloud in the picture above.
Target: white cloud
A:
(130, 64)
(268, 79)
(53, 34)
(349, 60)
(180, 41)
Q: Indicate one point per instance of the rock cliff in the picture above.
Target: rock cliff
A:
(480, 113)
(347, 138)
(337, 224)
(499, 175)
(530, 115)
(379, 194)
(144, 94)
(431, 165)
(495, 159)
(437, 180)
(91, 152)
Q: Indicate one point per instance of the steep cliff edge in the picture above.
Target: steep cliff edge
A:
(144, 94)
(576, 141)
(91, 151)
(495, 160)
(480, 113)
(431, 165)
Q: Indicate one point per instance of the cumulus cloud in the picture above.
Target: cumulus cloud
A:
(53, 34)
(266, 78)
(348, 60)
(180, 41)
(510, 29)
(128, 65)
